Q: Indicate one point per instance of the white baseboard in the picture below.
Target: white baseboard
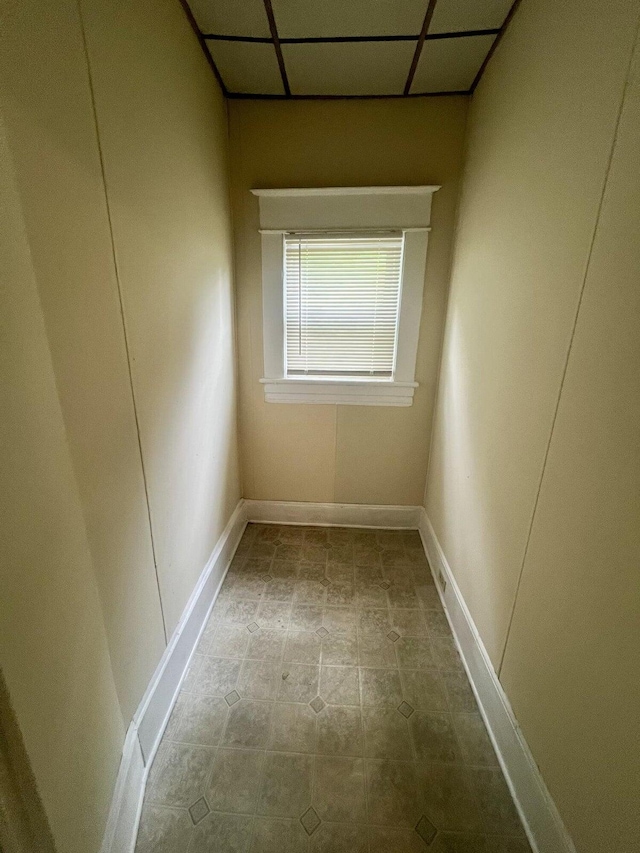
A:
(333, 514)
(540, 817)
(126, 803)
(151, 718)
(156, 704)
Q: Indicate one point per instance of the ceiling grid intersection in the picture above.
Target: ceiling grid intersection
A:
(288, 49)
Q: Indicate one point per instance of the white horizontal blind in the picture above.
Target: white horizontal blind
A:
(341, 297)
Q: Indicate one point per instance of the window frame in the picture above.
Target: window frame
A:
(340, 210)
(345, 237)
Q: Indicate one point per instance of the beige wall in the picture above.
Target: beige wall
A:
(163, 133)
(118, 136)
(574, 643)
(54, 652)
(46, 101)
(540, 135)
(546, 279)
(350, 454)
(163, 143)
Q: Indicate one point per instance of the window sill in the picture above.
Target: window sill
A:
(340, 391)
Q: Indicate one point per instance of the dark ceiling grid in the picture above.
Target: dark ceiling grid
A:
(254, 39)
(276, 43)
(344, 39)
(255, 96)
(495, 44)
(275, 39)
(431, 5)
(203, 45)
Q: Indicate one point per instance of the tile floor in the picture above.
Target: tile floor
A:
(327, 711)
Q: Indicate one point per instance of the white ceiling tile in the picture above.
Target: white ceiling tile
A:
(450, 65)
(330, 18)
(453, 16)
(247, 67)
(348, 68)
(231, 17)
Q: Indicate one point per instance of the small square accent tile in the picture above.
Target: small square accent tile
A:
(266, 578)
(325, 582)
(384, 584)
(232, 698)
(310, 821)
(405, 709)
(426, 830)
(253, 627)
(199, 810)
(393, 636)
(317, 704)
(322, 632)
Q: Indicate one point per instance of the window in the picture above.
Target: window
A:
(342, 281)
(341, 299)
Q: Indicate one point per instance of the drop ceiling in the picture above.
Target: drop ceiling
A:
(348, 48)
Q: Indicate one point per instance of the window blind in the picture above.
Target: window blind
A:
(341, 295)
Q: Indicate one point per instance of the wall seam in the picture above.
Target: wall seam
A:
(254, 323)
(571, 339)
(247, 428)
(234, 291)
(443, 333)
(122, 313)
(12, 177)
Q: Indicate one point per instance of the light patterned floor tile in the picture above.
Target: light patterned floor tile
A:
(327, 710)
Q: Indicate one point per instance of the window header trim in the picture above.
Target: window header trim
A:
(343, 211)
(336, 232)
(297, 192)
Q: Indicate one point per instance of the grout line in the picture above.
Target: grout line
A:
(276, 44)
(369, 822)
(122, 313)
(316, 754)
(571, 339)
(421, 39)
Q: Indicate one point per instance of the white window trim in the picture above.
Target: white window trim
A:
(343, 209)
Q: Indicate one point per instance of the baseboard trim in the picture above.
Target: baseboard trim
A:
(540, 817)
(333, 514)
(150, 720)
(157, 702)
(126, 803)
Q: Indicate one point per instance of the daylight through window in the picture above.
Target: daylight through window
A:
(341, 303)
